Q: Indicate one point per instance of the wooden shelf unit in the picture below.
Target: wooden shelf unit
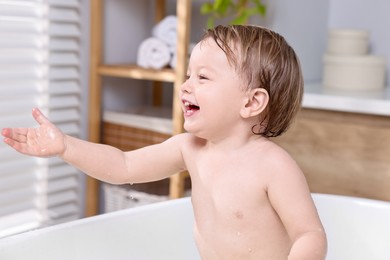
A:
(136, 72)
(98, 69)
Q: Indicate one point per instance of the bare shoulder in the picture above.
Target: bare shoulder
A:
(279, 159)
(286, 182)
(283, 171)
(182, 137)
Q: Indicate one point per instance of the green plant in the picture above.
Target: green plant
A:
(239, 11)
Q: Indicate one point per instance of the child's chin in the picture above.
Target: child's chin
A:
(189, 127)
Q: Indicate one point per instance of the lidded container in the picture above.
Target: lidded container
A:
(354, 72)
(347, 42)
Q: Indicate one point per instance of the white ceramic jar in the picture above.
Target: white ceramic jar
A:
(357, 72)
(347, 42)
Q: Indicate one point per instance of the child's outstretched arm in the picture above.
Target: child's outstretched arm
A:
(100, 161)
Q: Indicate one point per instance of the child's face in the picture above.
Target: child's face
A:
(212, 95)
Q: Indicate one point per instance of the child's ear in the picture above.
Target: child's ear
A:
(255, 103)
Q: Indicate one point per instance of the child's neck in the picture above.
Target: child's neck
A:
(234, 142)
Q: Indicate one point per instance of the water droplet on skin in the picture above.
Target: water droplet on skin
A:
(238, 233)
(51, 134)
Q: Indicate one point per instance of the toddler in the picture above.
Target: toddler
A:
(251, 200)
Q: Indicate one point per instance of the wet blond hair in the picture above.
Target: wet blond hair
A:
(264, 59)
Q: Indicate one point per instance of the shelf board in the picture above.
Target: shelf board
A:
(136, 72)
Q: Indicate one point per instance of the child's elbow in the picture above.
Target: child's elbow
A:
(312, 245)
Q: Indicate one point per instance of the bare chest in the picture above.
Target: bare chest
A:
(228, 193)
(233, 215)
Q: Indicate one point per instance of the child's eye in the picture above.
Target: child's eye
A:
(201, 76)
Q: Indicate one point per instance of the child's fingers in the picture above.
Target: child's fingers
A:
(9, 139)
(39, 117)
(17, 134)
(18, 146)
(5, 132)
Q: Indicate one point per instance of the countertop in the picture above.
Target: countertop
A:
(367, 102)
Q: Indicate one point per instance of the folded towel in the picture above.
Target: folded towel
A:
(153, 53)
(166, 30)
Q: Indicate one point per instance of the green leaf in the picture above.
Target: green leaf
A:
(218, 4)
(206, 8)
(223, 7)
(210, 22)
(241, 19)
(262, 10)
(240, 10)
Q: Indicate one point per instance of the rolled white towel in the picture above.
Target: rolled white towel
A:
(153, 53)
(166, 30)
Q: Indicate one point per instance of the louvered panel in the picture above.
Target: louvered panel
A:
(39, 66)
(64, 87)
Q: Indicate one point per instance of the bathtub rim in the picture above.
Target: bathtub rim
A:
(352, 199)
(87, 220)
(317, 197)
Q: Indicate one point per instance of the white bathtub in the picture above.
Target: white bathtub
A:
(356, 228)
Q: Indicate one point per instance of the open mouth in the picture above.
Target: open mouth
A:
(190, 108)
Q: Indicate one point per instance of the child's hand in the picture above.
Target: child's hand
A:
(45, 141)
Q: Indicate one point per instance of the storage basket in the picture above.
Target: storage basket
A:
(136, 127)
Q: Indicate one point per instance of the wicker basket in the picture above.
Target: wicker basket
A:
(136, 128)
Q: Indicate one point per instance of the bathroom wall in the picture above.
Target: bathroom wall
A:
(304, 25)
(126, 24)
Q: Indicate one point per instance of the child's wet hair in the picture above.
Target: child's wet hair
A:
(264, 59)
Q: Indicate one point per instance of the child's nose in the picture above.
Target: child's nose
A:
(186, 86)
